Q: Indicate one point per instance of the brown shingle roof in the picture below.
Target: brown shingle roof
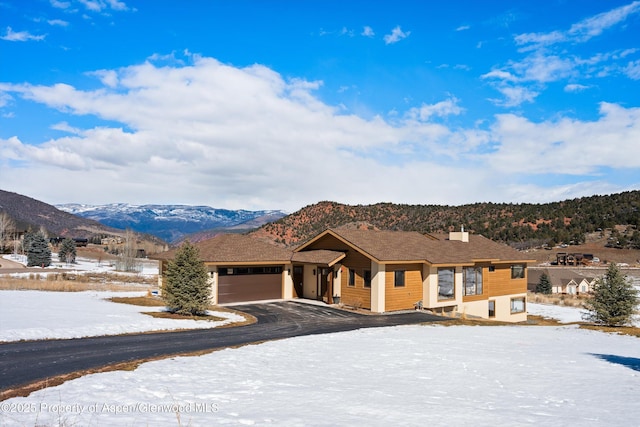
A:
(321, 256)
(238, 248)
(384, 246)
(412, 246)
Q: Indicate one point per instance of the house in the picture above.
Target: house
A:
(563, 280)
(380, 271)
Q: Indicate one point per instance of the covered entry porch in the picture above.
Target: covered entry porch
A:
(316, 275)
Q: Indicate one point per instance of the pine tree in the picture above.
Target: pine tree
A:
(38, 252)
(67, 252)
(544, 285)
(614, 299)
(186, 289)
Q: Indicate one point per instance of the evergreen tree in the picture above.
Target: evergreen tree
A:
(544, 285)
(38, 252)
(186, 289)
(67, 252)
(614, 299)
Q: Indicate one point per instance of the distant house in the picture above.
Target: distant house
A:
(563, 281)
(376, 270)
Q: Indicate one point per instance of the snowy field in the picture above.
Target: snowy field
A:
(30, 315)
(409, 375)
(147, 267)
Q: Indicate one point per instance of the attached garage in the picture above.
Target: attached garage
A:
(239, 284)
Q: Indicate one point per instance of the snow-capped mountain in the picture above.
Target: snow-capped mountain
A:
(171, 222)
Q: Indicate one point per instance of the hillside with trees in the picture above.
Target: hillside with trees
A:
(520, 225)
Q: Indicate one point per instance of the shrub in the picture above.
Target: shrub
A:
(186, 289)
(614, 299)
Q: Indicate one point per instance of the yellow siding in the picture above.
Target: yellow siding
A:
(356, 295)
(499, 282)
(402, 298)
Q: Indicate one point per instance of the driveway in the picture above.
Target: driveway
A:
(26, 362)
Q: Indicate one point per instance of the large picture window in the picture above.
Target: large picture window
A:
(517, 271)
(472, 277)
(446, 286)
(518, 305)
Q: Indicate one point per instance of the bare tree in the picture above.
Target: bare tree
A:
(127, 261)
(7, 229)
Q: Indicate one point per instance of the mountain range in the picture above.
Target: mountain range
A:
(173, 223)
(614, 219)
(28, 213)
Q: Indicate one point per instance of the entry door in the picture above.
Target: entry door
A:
(323, 284)
(298, 278)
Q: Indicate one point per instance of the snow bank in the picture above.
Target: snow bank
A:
(410, 375)
(30, 315)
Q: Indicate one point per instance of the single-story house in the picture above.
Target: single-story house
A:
(563, 281)
(376, 270)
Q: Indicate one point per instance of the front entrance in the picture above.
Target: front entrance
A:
(314, 282)
(298, 279)
(323, 284)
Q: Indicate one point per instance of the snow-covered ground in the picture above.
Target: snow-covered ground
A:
(29, 315)
(409, 375)
(82, 264)
(559, 313)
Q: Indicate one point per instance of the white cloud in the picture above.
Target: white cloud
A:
(396, 35)
(633, 70)
(581, 31)
(568, 146)
(210, 133)
(107, 77)
(440, 109)
(367, 31)
(463, 28)
(100, 5)
(58, 22)
(549, 58)
(21, 36)
(60, 4)
(574, 87)
(515, 95)
(595, 25)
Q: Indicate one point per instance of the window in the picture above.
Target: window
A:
(492, 308)
(352, 277)
(398, 280)
(517, 305)
(367, 278)
(446, 286)
(492, 268)
(249, 270)
(472, 277)
(517, 271)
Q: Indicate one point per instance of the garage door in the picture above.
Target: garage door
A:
(249, 287)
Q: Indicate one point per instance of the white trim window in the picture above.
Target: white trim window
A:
(518, 305)
(517, 271)
(472, 277)
(446, 283)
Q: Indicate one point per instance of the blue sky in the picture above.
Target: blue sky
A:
(280, 104)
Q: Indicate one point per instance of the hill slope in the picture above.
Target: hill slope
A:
(33, 214)
(567, 221)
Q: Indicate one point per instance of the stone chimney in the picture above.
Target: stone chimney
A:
(461, 236)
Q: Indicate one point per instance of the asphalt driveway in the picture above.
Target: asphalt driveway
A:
(26, 362)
